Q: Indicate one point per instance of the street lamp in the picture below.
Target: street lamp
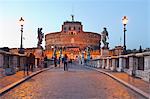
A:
(21, 22)
(124, 21)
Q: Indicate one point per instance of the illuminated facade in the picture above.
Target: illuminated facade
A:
(71, 39)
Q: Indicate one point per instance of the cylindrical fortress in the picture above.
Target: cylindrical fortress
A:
(72, 35)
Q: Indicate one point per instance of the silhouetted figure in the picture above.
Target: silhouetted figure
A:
(71, 61)
(65, 62)
(31, 61)
(45, 62)
(59, 59)
(26, 68)
(55, 61)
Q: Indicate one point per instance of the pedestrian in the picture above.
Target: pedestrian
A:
(31, 61)
(62, 59)
(65, 62)
(59, 61)
(55, 61)
(71, 61)
(45, 62)
(26, 67)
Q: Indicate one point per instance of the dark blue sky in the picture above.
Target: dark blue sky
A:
(94, 15)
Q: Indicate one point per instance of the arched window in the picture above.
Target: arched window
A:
(79, 28)
(64, 28)
(71, 33)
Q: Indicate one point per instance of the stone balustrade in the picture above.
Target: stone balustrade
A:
(145, 75)
(11, 62)
(114, 63)
(134, 64)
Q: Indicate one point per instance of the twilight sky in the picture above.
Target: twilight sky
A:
(94, 15)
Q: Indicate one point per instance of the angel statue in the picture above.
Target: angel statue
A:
(40, 37)
(104, 36)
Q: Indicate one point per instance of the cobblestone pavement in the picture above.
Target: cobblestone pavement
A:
(137, 82)
(77, 83)
(7, 80)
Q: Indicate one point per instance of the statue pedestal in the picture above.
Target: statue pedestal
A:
(104, 52)
(39, 57)
(38, 53)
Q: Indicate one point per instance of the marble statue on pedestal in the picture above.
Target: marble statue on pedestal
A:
(40, 37)
(104, 36)
(39, 54)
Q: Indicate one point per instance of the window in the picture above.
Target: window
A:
(72, 28)
(71, 33)
(64, 28)
(69, 28)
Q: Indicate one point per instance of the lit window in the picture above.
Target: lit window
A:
(72, 28)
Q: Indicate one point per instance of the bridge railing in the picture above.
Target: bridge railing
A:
(11, 63)
(137, 65)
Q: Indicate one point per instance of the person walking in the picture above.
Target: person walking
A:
(55, 61)
(45, 62)
(32, 61)
(62, 59)
(59, 59)
(26, 68)
(65, 62)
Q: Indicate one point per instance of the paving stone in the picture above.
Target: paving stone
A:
(77, 83)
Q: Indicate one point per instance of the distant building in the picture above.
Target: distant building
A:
(72, 39)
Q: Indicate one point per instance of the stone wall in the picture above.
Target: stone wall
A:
(81, 40)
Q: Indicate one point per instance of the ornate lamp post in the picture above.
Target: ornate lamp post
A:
(21, 22)
(124, 21)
